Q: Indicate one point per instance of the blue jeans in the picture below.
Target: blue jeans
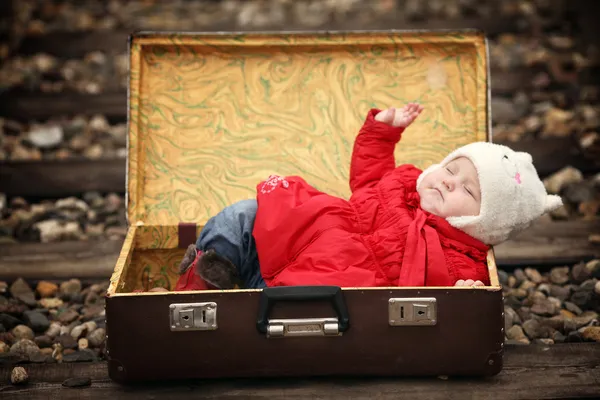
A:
(229, 234)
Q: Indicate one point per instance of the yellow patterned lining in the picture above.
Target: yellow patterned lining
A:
(211, 115)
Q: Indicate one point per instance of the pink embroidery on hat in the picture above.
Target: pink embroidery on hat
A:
(518, 178)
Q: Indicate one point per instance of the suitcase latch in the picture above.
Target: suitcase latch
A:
(303, 327)
(412, 311)
(193, 316)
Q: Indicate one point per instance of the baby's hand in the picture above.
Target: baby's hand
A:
(468, 282)
(400, 117)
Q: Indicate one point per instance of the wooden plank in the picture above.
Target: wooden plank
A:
(551, 244)
(554, 153)
(61, 178)
(543, 244)
(29, 106)
(543, 372)
(114, 42)
(61, 260)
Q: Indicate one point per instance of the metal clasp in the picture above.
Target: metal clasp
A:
(303, 327)
(412, 311)
(193, 316)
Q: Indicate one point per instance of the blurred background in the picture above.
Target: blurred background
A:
(63, 80)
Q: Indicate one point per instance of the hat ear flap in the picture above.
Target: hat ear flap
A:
(526, 157)
(552, 202)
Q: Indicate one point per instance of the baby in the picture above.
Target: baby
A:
(400, 227)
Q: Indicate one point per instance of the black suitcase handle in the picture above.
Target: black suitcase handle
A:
(272, 295)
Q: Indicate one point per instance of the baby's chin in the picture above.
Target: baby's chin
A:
(431, 206)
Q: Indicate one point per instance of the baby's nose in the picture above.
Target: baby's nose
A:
(449, 184)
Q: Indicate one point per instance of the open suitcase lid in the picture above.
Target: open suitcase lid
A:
(212, 115)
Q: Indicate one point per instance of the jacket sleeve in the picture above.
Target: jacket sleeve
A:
(461, 266)
(373, 153)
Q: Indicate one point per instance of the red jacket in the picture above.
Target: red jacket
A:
(380, 237)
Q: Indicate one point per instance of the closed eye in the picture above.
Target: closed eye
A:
(471, 193)
(448, 169)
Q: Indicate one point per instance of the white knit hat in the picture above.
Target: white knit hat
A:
(512, 194)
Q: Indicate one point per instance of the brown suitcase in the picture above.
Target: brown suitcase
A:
(211, 115)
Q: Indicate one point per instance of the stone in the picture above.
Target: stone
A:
(7, 337)
(579, 273)
(504, 111)
(4, 348)
(70, 287)
(96, 338)
(77, 382)
(512, 281)
(24, 347)
(585, 319)
(544, 288)
(574, 337)
(579, 192)
(532, 328)
(560, 292)
(533, 275)
(594, 268)
(510, 318)
(20, 290)
(556, 302)
(3, 287)
(572, 308)
(91, 312)
(36, 320)
(560, 42)
(72, 203)
(524, 313)
(53, 230)
(82, 344)
(19, 376)
(558, 337)
(567, 314)
(526, 285)
(91, 298)
(515, 332)
(583, 295)
(8, 321)
(557, 122)
(47, 351)
(23, 332)
(559, 275)
(54, 330)
(565, 176)
(46, 289)
(592, 333)
(66, 341)
(51, 303)
(46, 137)
(43, 341)
(67, 316)
(78, 331)
(519, 274)
(597, 288)
(86, 355)
(546, 341)
(12, 306)
(543, 308)
(503, 277)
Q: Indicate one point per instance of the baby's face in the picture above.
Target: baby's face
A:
(452, 191)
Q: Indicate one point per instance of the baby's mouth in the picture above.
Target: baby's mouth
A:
(440, 192)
